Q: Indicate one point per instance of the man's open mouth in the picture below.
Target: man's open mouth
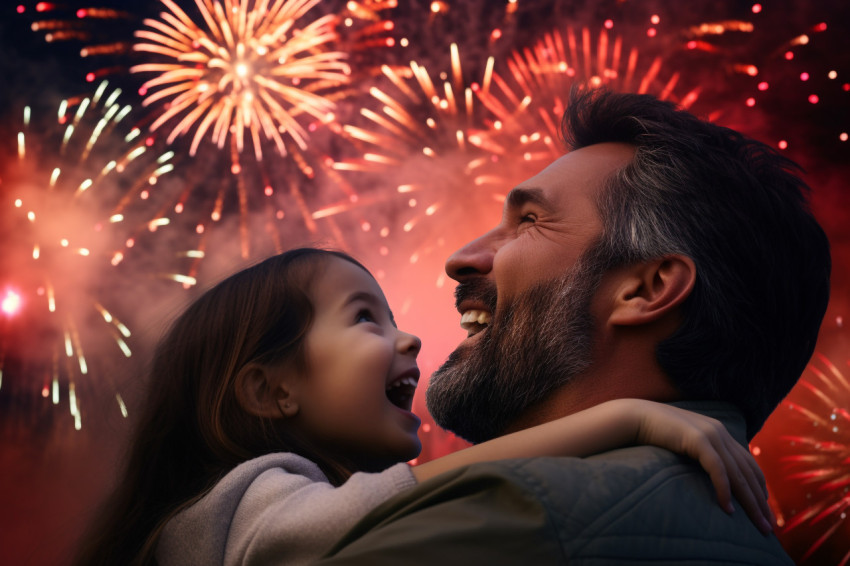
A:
(475, 320)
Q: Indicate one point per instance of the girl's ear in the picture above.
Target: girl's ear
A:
(652, 289)
(262, 391)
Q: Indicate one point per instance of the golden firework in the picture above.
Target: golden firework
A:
(242, 66)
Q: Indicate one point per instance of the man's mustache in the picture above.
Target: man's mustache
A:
(476, 289)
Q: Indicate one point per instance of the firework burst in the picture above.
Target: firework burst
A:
(66, 193)
(242, 69)
(818, 460)
(268, 71)
(419, 157)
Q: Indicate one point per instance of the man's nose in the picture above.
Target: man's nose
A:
(475, 258)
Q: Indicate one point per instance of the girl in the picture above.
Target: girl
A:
(276, 386)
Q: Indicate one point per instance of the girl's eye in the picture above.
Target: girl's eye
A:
(364, 315)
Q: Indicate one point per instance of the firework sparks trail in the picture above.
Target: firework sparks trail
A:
(420, 134)
(818, 463)
(62, 242)
(528, 100)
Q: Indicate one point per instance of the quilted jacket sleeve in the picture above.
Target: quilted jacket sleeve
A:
(637, 505)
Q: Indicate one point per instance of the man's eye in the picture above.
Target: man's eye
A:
(528, 218)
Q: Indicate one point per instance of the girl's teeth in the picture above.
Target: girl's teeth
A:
(409, 381)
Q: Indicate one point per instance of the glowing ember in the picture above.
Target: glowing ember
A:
(11, 303)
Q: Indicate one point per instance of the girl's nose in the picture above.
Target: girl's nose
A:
(408, 343)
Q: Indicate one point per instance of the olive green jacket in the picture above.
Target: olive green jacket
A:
(636, 505)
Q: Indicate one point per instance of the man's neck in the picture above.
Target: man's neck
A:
(588, 391)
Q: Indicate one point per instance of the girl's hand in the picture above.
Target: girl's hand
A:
(731, 467)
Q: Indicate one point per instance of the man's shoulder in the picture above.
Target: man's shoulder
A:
(641, 501)
(620, 507)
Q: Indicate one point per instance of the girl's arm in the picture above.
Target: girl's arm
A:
(627, 422)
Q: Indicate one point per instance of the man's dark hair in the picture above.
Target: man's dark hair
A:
(739, 210)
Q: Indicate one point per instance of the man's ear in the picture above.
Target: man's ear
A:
(650, 290)
(262, 391)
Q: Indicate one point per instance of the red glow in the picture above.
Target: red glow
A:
(44, 6)
(756, 8)
(821, 27)
(609, 24)
(21, 9)
(751, 102)
(90, 77)
(82, 13)
(149, 141)
(789, 55)
(782, 144)
(11, 303)
(496, 34)
(813, 98)
(269, 191)
(655, 19)
(651, 32)
(846, 87)
(804, 76)
(692, 44)
(763, 85)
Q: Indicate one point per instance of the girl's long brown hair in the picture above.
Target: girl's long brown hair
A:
(192, 430)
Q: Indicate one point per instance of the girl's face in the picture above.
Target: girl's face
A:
(361, 372)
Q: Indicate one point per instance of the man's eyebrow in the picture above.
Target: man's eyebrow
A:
(522, 195)
(372, 300)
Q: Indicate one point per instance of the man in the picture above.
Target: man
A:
(663, 258)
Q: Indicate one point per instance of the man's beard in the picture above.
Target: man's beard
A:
(536, 344)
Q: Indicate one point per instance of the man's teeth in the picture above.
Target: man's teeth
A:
(474, 319)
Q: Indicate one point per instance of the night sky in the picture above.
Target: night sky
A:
(779, 72)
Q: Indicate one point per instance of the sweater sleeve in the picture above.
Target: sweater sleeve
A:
(285, 517)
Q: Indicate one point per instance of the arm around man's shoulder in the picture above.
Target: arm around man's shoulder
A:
(637, 504)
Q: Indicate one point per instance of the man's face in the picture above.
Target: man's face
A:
(524, 298)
